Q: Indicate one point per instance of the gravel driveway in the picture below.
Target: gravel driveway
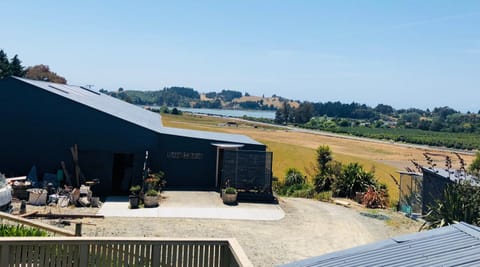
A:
(309, 228)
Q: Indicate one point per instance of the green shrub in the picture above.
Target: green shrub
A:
(294, 177)
(321, 182)
(461, 202)
(353, 179)
(152, 193)
(323, 196)
(230, 190)
(305, 191)
(20, 230)
(135, 189)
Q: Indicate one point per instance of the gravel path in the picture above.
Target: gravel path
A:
(310, 228)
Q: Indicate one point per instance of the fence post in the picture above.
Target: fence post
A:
(78, 229)
(225, 256)
(4, 254)
(155, 255)
(83, 254)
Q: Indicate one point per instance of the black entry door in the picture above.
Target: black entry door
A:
(122, 173)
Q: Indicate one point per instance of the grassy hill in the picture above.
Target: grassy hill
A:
(189, 97)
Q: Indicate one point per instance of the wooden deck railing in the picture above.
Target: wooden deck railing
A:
(104, 251)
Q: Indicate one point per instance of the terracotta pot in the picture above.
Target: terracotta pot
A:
(150, 201)
(229, 199)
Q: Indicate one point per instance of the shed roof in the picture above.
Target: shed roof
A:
(454, 245)
(452, 175)
(128, 112)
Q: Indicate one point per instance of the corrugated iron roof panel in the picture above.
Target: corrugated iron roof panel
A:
(454, 245)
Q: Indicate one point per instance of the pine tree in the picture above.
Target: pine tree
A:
(4, 65)
(16, 68)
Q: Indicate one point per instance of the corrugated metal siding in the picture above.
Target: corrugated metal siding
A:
(455, 245)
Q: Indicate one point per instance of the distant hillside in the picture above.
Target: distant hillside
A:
(188, 97)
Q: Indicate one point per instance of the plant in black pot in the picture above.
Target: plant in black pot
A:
(134, 198)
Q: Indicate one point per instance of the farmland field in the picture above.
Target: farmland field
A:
(296, 149)
(416, 136)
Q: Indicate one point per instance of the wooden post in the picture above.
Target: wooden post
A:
(4, 254)
(35, 224)
(23, 207)
(155, 254)
(83, 254)
(78, 229)
(68, 181)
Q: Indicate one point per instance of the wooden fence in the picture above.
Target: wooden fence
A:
(93, 251)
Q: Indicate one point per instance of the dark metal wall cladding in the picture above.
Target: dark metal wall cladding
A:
(433, 187)
(247, 169)
(38, 127)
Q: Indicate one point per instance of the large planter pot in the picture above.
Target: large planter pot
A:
(229, 199)
(150, 201)
(134, 201)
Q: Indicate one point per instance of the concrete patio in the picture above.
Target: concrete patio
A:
(193, 204)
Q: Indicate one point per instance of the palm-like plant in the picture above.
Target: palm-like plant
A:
(353, 179)
(460, 202)
(294, 177)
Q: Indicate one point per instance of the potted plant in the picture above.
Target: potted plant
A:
(229, 194)
(134, 198)
(153, 183)
(150, 200)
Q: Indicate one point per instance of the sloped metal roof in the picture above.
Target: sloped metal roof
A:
(454, 245)
(130, 113)
(452, 175)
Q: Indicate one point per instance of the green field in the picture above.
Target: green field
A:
(467, 141)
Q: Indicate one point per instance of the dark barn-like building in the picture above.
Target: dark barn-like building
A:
(420, 191)
(40, 121)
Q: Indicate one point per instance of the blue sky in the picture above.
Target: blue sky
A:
(403, 53)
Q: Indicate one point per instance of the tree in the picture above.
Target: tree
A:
(43, 73)
(475, 166)
(353, 179)
(211, 94)
(323, 156)
(384, 109)
(304, 112)
(283, 115)
(176, 111)
(4, 65)
(16, 68)
(327, 169)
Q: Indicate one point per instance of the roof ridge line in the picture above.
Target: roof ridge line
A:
(469, 229)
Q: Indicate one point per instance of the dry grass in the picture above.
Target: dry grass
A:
(296, 149)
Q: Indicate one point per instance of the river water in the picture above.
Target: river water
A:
(232, 113)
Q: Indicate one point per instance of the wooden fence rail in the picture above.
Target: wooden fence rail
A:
(88, 251)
